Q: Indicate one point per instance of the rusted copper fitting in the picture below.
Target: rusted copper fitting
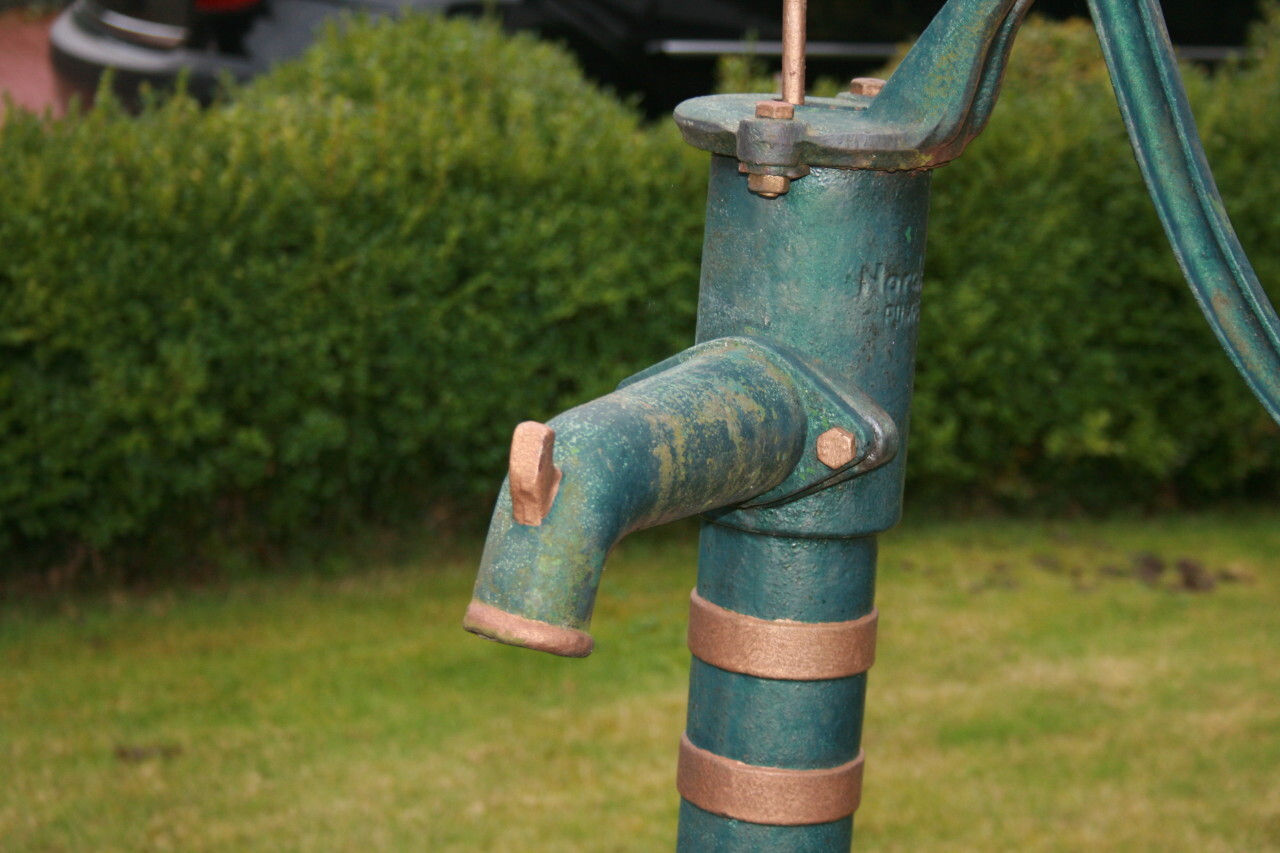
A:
(781, 649)
(775, 109)
(837, 447)
(768, 186)
(493, 623)
(770, 795)
(869, 86)
(533, 478)
(771, 186)
(793, 50)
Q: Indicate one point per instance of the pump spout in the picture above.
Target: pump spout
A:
(712, 431)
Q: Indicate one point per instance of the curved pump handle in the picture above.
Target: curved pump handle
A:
(948, 84)
(939, 99)
(1153, 101)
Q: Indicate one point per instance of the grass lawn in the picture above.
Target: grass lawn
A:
(1031, 693)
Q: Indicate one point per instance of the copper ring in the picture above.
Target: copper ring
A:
(494, 623)
(782, 649)
(770, 795)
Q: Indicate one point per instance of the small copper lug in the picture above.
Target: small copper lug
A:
(869, 86)
(775, 109)
(837, 447)
(533, 478)
(768, 186)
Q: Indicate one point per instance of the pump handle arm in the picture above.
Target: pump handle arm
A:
(939, 99)
(1153, 101)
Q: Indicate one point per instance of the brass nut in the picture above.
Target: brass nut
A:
(869, 86)
(769, 186)
(837, 447)
(775, 109)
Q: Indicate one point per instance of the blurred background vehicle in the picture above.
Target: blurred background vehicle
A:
(659, 50)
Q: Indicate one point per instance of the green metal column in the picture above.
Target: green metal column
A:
(795, 724)
(833, 270)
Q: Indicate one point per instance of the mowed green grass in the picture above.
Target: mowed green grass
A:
(1030, 694)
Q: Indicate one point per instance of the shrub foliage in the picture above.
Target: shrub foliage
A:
(332, 295)
(1063, 358)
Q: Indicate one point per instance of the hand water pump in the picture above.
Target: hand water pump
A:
(785, 426)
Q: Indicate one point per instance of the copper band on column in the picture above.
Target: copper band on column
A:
(770, 795)
(782, 649)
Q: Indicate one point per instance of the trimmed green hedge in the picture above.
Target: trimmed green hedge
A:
(1063, 359)
(330, 297)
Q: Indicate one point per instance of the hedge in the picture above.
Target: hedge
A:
(1063, 359)
(329, 297)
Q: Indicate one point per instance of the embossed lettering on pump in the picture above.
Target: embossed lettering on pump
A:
(900, 292)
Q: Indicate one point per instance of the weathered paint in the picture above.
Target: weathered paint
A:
(771, 722)
(713, 430)
(807, 324)
(1163, 131)
(835, 269)
(937, 101)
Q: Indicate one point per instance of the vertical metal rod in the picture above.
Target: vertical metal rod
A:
(793, 50)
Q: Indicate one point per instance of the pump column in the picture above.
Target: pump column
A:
(782, 622)
(782, 631)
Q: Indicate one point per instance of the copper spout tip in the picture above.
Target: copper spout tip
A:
(533, 477)
(493, 623)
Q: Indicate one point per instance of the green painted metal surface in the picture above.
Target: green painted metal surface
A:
(834, 269)
(728, 423)
(713, 430)
(807, 319)
(767, 722)
(703, 832)
(934, 105)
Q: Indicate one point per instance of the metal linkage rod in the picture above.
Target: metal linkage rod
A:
(793, 50)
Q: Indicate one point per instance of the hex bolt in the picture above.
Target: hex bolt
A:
(771, 186)
(837, 447)
(768, 186)
(775, 109)
(869, 86)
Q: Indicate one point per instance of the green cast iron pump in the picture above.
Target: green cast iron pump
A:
(785, 426)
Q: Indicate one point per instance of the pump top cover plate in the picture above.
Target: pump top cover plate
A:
(940, 99)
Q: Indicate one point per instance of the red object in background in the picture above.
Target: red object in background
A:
(26, 73)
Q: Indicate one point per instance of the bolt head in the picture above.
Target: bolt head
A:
(869, 86)
(837, 447)
(769, 186)
(775, 109)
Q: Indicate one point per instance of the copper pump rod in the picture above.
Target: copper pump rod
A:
(793, 48)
